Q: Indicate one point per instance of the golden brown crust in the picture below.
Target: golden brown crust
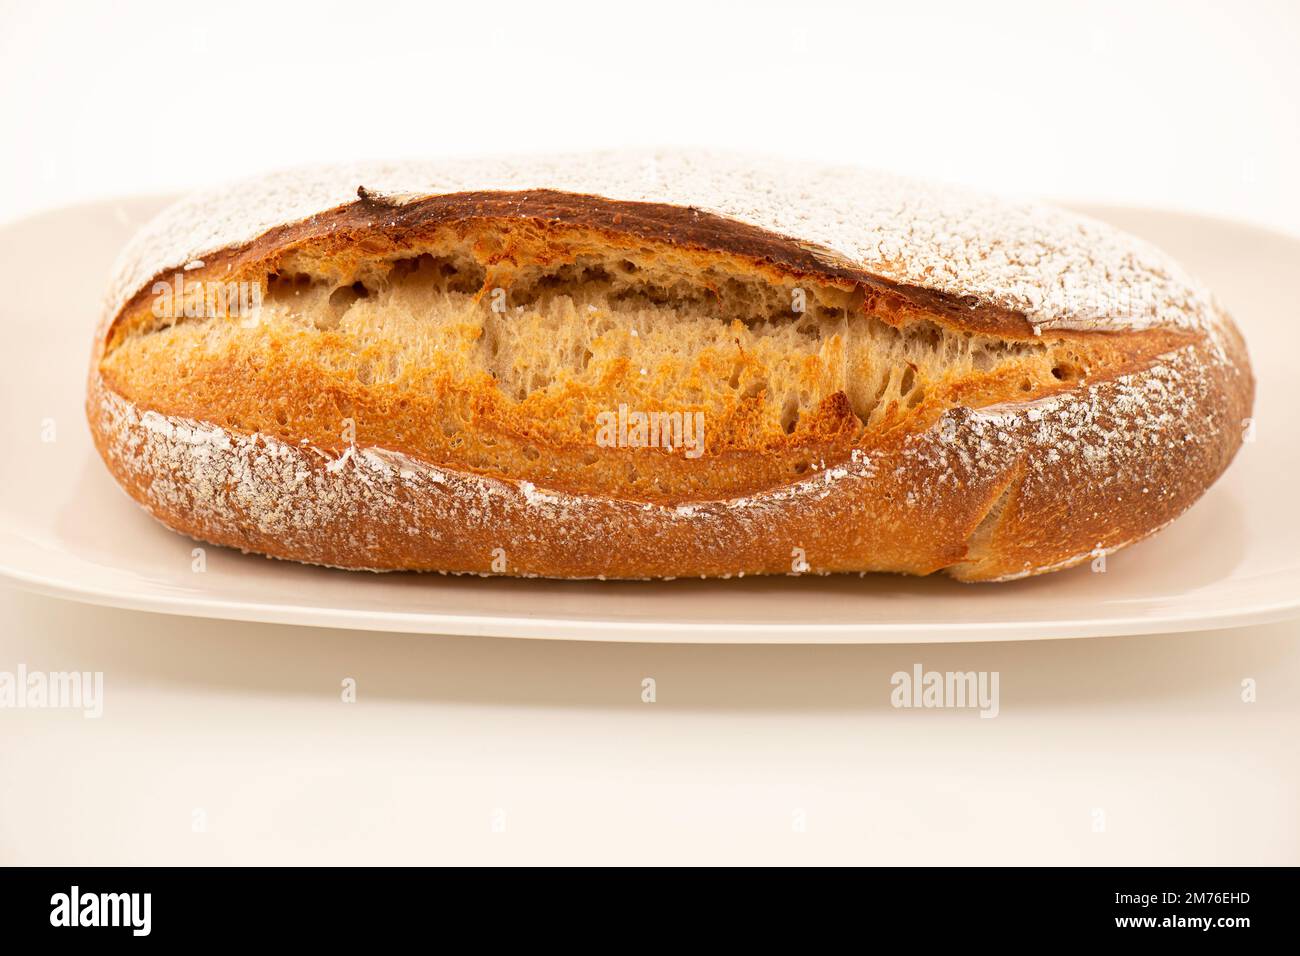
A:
(1184, 435)
(915, 504)
(978, 479)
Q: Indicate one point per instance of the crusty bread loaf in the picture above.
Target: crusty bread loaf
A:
(657, 365)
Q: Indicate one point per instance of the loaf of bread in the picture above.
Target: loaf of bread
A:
(646, 365)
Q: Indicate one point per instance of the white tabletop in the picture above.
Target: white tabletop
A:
(223, 742)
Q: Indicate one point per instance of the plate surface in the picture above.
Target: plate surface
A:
(67, 530)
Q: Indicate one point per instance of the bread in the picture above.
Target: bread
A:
(643, 365)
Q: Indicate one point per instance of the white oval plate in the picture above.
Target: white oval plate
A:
(67, 530)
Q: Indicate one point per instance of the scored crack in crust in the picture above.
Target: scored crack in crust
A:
(986, 388)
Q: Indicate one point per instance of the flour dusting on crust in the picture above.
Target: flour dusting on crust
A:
(1116, 445)
(1060, 270)
(991, 493)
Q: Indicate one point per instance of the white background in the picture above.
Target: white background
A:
(240, 727)
(1190, 106)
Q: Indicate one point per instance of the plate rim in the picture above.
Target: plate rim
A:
(552, 626)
